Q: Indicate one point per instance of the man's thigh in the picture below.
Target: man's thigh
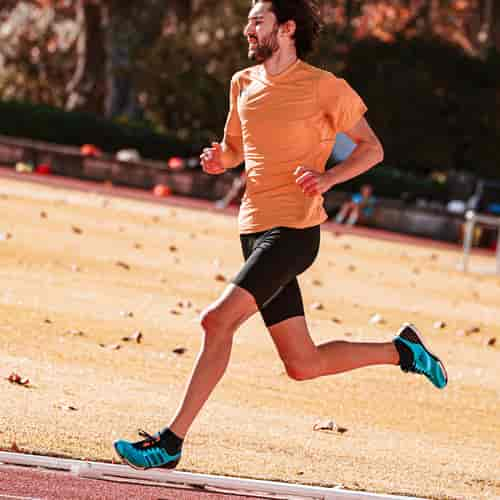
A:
(286, 303)
(273, 261)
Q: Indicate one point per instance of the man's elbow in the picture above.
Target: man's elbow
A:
(378, 152)
(374, 150)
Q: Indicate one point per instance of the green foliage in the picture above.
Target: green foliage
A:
(433, 107)
(45, 123)
(186, 73)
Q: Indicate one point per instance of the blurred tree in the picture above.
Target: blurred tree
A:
(433, 106)
(37, 47)
(185, 75)
(485, 36)
(86, 89)
(170, 62)
(111, 34)
(130, 27)
(76, 54)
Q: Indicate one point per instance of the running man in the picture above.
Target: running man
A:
(283, 118)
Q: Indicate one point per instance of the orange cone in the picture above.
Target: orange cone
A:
(162, 190)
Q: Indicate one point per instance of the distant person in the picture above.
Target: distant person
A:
(283, 118)
(360, 204)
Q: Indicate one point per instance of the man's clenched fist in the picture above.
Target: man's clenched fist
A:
(311, 182)
(211, 159)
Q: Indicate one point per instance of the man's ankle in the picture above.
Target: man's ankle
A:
(171, 441)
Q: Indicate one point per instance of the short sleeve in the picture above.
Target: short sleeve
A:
(340, 102)
(233, 124)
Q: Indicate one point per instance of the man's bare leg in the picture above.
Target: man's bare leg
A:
(354, 216)
(219, 322)
(339, 356)
(304, 360)
(344, 212)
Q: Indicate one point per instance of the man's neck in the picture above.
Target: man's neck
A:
(280, 61)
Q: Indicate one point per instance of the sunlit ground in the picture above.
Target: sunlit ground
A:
(78, 271)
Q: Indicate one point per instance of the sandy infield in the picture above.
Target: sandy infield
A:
(81, 271)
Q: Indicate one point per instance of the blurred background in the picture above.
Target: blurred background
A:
(152, 76)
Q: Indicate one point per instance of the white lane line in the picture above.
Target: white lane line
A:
(19, 498)
(98, 470)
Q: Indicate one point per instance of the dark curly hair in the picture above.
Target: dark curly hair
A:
(305, 13)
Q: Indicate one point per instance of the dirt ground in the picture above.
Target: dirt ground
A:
(78, 271)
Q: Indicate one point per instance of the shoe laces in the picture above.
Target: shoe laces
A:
(149, 439)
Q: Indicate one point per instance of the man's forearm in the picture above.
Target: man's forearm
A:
(232, 151)
(364, 157)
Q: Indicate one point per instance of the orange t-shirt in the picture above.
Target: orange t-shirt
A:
(277, 123)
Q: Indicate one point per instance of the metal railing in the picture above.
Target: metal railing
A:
(471, 219)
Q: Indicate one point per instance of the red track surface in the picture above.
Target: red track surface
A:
(30, 484)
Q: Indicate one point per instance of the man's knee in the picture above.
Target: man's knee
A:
(217, 325)
(224, 316)
(211, 321)
(302, 370)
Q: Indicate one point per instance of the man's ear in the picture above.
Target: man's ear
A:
(288, 28)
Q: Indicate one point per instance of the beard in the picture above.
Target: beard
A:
(266, 48)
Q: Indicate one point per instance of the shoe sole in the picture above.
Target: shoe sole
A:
(420, 339)
(170, 465)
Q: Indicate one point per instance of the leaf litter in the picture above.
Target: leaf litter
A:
(135, 337)
(16, 379)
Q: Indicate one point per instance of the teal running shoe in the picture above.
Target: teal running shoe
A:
(147, 453)
(416, 358)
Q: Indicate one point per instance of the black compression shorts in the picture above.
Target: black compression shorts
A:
(273, 260)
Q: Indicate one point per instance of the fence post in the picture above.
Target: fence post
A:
(468, 236)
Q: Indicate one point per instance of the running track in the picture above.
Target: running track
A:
(33, 484)
(26, 483)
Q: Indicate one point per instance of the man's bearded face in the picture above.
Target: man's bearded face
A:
(263, 50)
(262, 32)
